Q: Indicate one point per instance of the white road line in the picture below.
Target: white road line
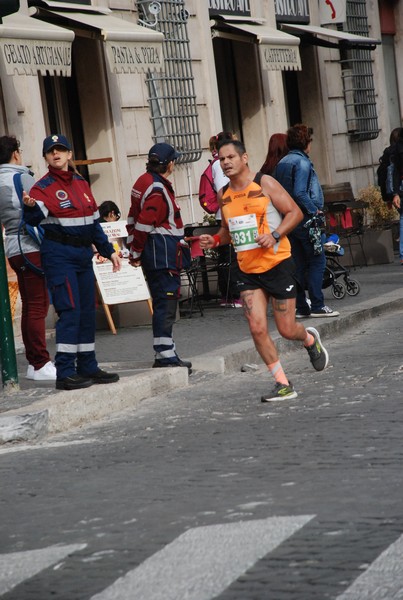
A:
(204, 561)
(18, 566)
(383, 580)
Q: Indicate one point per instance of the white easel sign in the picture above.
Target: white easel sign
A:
(128, 284)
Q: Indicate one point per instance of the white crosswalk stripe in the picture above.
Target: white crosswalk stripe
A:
(383, 580)
(18, 566)
(204, 561)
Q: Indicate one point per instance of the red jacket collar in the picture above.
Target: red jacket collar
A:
(65, 176)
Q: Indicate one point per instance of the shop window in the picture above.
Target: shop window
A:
(358, 80)
(171, 92)
(61, 109)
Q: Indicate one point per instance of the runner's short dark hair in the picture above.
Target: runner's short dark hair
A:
(238, 145)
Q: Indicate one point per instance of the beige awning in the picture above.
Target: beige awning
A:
(28, 46)
(333, 38)
(129, 47)
(278, 51)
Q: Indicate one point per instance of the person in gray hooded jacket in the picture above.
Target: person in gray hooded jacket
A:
(18, 244)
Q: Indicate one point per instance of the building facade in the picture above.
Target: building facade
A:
(118, 75)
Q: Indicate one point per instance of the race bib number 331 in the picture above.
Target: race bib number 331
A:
(243, 232)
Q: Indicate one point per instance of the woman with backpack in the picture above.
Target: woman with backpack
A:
(227, 263)
(24, 258)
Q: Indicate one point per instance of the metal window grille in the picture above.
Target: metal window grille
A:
(358, 81)
(75, 1)
(171, 92)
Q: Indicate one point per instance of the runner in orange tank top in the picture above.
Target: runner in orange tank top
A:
(257, 214)
(238, 205)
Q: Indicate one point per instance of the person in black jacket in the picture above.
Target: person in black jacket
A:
(395, 183)
(384, 163)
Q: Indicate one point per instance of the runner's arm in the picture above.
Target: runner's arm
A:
(282, 201)
(221, 238)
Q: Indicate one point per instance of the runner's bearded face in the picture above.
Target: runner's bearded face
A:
(231, 162)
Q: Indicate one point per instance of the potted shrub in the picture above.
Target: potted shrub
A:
(379, 219)
(379, 214)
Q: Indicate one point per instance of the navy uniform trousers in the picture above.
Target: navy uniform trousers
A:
(70, 277)
(164, 287)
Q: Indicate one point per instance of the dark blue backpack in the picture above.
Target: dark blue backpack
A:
(36, 233)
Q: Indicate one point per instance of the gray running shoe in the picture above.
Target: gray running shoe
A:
(281, 391)
(317, 352)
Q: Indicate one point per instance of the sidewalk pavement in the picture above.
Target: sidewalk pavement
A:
(217, 343)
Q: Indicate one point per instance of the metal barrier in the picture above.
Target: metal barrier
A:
(9, 371)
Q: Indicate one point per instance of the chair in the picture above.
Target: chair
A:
(354, 236)
(203, 270)
(344, 216)
(192, 272)
(193, 297)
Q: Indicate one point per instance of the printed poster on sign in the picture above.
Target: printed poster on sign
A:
(243, 232)
(128, 284)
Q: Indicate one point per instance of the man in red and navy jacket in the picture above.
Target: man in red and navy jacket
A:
(156, 242)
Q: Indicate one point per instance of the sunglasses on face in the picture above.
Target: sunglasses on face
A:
(58, 149)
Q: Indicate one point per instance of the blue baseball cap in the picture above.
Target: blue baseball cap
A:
(55, 140)
(333, 238)
(164, 152)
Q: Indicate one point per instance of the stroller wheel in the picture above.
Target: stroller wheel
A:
(338, 290)
(352, 287)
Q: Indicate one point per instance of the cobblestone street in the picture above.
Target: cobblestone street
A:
(213, 455)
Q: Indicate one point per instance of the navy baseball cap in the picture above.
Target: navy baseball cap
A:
(55, 140)
(164, 152)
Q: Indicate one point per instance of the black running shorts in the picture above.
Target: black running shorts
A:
(279, 282)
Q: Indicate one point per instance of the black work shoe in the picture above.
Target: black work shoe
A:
(101, 376)
(74, 382)
(177, 363)
(185, 363)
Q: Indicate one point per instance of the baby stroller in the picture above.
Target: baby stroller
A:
(334, 270)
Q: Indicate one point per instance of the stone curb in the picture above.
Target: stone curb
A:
(231, 358)
(65, 410)
(69, 409)
(22, 428)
